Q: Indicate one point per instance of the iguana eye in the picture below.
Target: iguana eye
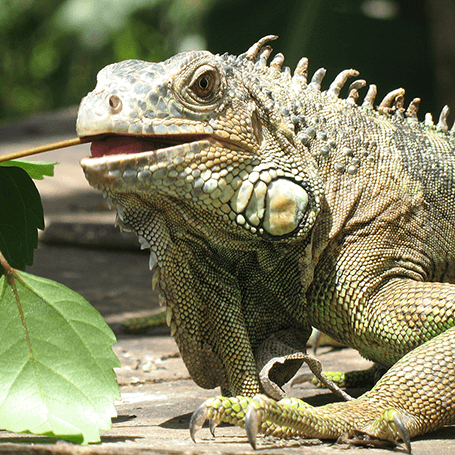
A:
(206, 84)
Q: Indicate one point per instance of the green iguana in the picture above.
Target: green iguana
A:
(271, 206)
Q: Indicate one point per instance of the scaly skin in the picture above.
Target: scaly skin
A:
(271, 206)
(404, 403)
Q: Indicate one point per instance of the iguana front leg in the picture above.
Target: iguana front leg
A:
(414, 397)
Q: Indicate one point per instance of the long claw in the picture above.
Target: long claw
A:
(402, 431)
(213, 424)
(197, 420)
(251, 425)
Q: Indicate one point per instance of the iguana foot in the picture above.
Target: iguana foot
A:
(291, 417)
(234, 410)
(219, 409)
(362, 439)
(297, 418)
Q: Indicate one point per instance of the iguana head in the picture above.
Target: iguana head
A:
(205, 129)
(202, 157)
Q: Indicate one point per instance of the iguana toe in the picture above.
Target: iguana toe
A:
(197, 420)
(389, 418)
(219, 409)
(402, 431)
(251, 425)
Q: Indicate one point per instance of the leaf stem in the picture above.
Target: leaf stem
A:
(4, 263)
(10, 273)
(41, 149)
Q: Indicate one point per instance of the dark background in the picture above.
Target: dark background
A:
(52, 50)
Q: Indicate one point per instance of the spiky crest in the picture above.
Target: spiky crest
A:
(392, 103)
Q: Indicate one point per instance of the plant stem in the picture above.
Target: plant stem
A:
(10, 273)
(41, 149)
(4, 263)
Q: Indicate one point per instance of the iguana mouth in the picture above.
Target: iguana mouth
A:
(128, 144)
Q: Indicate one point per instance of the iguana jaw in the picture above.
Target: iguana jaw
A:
(134, 163)
(196, 168)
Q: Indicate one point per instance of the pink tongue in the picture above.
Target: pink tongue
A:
(119, 144)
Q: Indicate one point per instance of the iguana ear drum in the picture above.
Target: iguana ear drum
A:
(285, 207)
(279, 206)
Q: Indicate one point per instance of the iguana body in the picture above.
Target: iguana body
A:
(271, 206)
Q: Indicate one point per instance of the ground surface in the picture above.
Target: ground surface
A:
(81, 249)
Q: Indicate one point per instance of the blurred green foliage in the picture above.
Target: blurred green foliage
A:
(52, 50)
(388, 41)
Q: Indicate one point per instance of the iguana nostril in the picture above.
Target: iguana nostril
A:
(115, 104)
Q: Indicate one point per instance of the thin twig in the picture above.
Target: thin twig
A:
(41, 149)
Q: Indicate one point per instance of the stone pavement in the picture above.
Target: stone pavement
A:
(82, 249)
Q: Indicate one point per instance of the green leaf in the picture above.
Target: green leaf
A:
(56, 362)
(21, 214)
(35, 169)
